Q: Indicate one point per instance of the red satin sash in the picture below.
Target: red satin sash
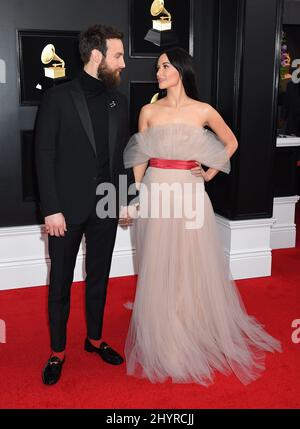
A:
(172, 163)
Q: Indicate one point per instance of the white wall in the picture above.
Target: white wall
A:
(24, 259)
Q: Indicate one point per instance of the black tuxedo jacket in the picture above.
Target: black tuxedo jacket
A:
(66, 155)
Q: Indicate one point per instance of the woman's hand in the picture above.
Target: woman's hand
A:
(199, 172)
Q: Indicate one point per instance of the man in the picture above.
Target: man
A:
(82, 130)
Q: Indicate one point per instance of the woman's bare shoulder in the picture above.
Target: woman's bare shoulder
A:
(146, 111)
(149, 109)
(154, 105)
(201, 105)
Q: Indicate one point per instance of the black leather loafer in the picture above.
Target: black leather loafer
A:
(52, 371)
(105, 352)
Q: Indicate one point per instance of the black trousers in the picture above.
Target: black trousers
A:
(100, 235)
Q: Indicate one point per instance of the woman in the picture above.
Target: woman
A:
(188, 319)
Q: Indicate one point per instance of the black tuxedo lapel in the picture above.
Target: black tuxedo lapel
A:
(112, 126)
(81, 105)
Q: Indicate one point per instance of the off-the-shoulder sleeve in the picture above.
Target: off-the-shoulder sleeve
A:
(212, 152)
(136, 152)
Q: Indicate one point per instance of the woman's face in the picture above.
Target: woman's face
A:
(167, 75)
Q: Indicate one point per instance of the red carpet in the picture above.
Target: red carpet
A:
(88, 382)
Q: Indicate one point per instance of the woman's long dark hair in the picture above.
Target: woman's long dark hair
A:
(184, 63)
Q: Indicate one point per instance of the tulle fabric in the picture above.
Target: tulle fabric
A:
(177, 141)
(188, 319)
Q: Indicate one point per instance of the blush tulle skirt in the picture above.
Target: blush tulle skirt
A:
(188, 319)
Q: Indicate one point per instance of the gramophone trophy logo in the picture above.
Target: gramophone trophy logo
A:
(56, 70)
(161, 33)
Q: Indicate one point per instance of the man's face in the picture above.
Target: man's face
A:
(112, 64)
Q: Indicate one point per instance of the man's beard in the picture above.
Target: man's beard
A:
(107, 76)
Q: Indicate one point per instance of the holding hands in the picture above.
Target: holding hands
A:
(127, 214)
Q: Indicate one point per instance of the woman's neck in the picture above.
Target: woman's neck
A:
(176, 96)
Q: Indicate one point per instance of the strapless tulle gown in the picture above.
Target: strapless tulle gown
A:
(188, 319)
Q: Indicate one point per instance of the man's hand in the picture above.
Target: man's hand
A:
(56, 225)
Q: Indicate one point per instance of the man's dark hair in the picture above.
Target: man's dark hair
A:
(95, 38)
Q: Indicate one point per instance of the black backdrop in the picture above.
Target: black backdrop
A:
(221, 30)
(17, 205)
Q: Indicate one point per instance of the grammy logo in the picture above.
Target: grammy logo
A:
(57, 70)
(161, 33)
